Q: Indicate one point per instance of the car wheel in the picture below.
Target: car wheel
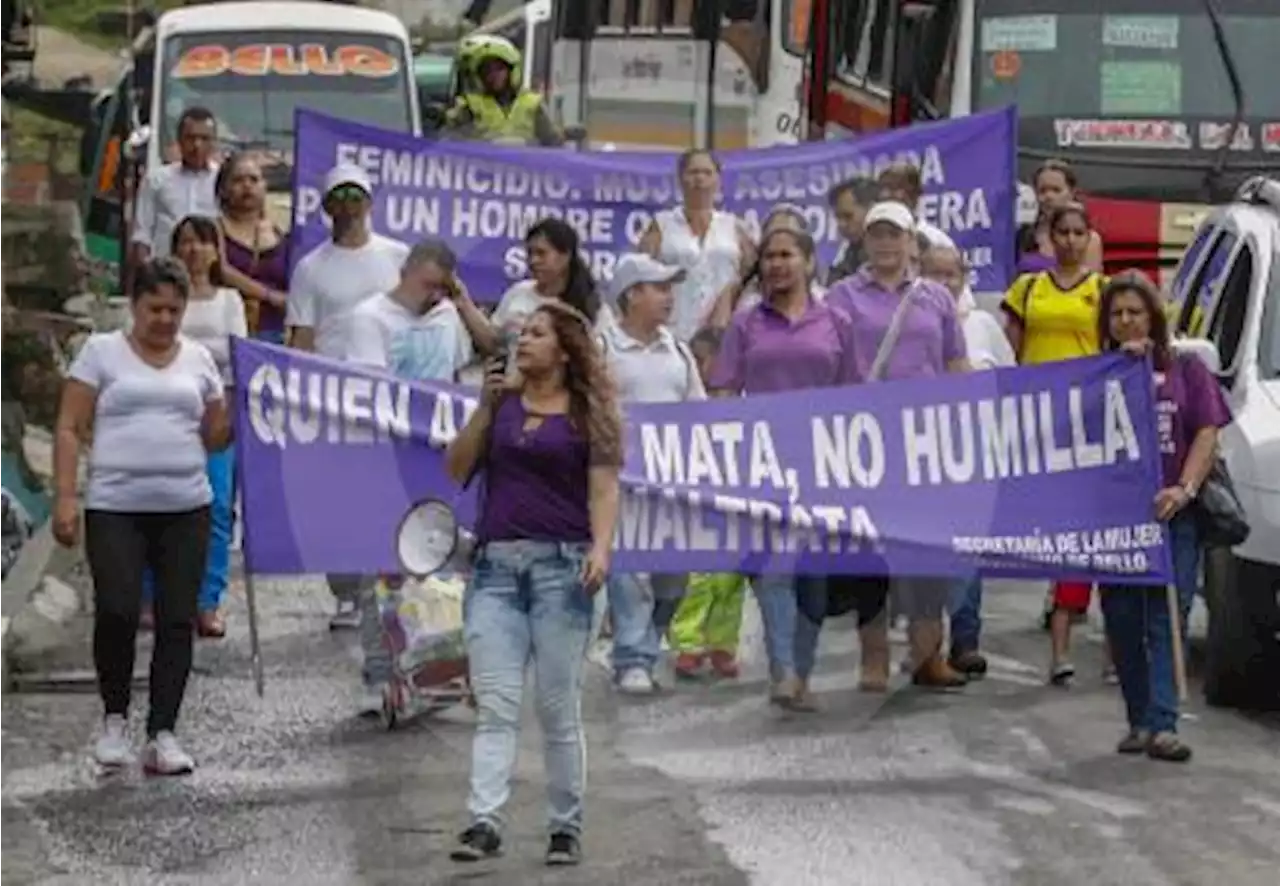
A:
(1242, 668)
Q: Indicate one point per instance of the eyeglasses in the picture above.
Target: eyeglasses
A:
(347, 193)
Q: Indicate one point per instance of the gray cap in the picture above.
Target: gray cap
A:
(636, 268)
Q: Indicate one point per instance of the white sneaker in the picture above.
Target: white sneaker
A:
(164, 756)
(346, 616)
(635, 681)
(371, 701)
(113, 747)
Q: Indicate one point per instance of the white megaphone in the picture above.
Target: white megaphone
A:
(430, 539)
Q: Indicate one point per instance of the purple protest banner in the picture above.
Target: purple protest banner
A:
(482, 198)
(1044, 471)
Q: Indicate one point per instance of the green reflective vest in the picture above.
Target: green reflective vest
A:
(516, 122)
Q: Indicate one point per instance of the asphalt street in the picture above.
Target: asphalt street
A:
(1010, 783)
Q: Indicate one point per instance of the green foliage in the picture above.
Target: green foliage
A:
(80, 17)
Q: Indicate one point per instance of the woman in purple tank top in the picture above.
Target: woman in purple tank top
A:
(254, 255)
(550, 451)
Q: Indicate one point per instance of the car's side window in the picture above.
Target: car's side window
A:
(1198, 291)
(1232, 308)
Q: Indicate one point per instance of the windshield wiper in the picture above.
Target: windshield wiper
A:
(1213, 176)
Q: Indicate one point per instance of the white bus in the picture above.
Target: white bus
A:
(254, 63)
(644, 65)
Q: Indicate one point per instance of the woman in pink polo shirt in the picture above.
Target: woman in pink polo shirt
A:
(930, 343)
(789, 341)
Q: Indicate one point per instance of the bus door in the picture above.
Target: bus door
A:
(105, 204)
(638, 72)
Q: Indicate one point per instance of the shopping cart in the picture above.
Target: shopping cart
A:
(421, 622)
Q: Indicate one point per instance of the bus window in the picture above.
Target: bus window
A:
(867, 53)
(649, 15)
(797, 15)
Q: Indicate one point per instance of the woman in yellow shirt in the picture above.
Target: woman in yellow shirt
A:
(1053, 315)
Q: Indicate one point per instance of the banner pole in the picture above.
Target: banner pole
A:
(255, 644)
(1176, 629)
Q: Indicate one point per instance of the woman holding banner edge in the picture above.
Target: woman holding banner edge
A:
(1190, 410)
(548, 444)
(789, 341)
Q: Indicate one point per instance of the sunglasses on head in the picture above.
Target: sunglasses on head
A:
(347, 193)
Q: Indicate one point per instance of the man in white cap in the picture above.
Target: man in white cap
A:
(650, 366)
(327, 285)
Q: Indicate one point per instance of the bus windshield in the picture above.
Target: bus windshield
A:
(1085, 60)
(253, 87)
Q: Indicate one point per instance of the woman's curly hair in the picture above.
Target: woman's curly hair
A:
(593, 398)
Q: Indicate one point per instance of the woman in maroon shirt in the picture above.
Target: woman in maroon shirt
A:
(254, 252)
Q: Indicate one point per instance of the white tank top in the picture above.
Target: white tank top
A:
(710, 264)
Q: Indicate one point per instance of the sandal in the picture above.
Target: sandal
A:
(1135, 742)
(1168, 747)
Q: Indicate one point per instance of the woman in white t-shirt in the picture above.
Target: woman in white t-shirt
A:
(213, 316)
(149, 403)
(556, 273)
(743, 293)
(711, 245)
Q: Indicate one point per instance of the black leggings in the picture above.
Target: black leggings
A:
(120, 546)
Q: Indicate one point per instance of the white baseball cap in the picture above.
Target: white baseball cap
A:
(347, 174)
(893, 213)
(636, 268)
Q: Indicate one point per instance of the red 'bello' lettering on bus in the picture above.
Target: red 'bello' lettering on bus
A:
(261, 59)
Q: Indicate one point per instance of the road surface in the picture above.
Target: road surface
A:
(1011, 783)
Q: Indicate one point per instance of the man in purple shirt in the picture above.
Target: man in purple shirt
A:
(904, 327)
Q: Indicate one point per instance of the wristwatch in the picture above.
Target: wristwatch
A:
(1190, 490)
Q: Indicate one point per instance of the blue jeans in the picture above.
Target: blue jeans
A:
(217, 572)
(525, 601)
(790, 636)
(642, 607)
(1141, 634)
(965, 608)
(631, 605)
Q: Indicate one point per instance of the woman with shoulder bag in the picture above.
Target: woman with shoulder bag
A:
(904, 327)
(1190, 410)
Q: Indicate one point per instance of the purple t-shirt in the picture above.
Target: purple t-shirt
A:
(270, 268)
(535, 481)
(764, 351)
(1188, 400)
(931, 334)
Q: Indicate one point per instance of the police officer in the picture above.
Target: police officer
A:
(493, 106)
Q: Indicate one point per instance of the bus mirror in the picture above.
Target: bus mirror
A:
(139, 138)
(1202, 349)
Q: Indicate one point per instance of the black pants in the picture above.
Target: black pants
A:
(865, 594)
(120, 547)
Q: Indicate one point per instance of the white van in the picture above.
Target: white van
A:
(1228, 286)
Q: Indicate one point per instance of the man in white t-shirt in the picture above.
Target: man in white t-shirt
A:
(327, 285)
(650, 366)
(337, 275)
(415, 330)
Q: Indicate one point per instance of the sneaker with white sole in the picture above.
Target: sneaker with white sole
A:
(635, 681)
(346, 617)
(372, 700)
(113, 748)
(164, 756)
